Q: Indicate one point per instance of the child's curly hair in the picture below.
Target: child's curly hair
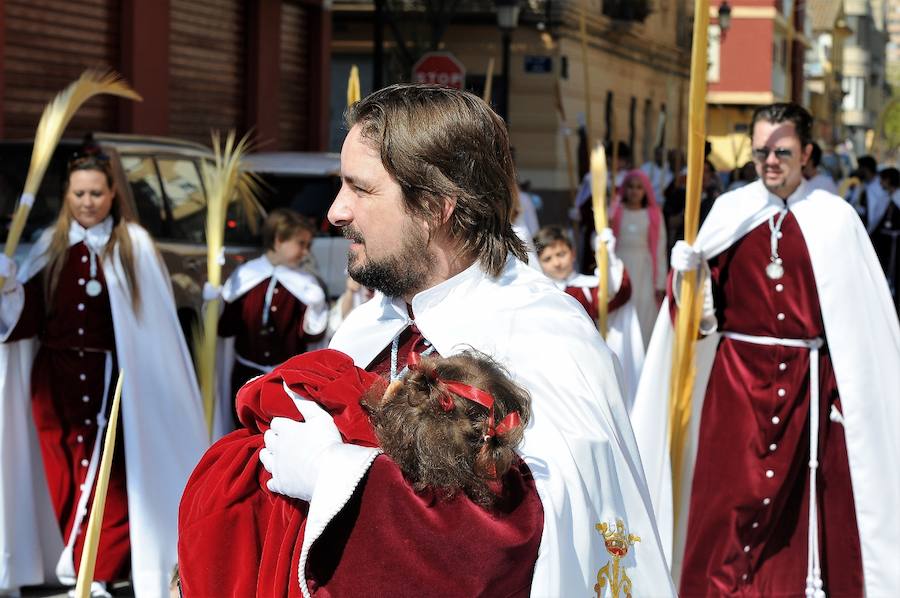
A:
(441, 440)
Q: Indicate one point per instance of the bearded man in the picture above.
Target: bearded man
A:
(428, 189)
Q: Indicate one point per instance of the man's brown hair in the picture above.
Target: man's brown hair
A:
(283, 224)
(450, 451)
(444, 144)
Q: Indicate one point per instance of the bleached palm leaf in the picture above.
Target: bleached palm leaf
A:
(55, 118)
(354, 93)
(224, 180)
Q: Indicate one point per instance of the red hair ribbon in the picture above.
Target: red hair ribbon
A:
(476, 395)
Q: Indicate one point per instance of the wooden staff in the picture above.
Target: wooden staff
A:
(688, 319)
(353, 90)
(92, 537)
(598, 195)
(488, 82)
(615, 158)
(223, 179)
(55, 118)
(570, 162)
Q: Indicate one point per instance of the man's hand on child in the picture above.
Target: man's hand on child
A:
(293, 450)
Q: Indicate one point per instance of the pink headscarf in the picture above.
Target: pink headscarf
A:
(654, 214)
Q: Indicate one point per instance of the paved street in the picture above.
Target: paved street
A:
(119, 590)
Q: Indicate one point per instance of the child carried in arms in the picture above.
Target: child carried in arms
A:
(448, 429)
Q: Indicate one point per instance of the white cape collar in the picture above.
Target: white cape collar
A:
(300, 284)
(95, 237)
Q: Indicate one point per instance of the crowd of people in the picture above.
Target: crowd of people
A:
(468, 428)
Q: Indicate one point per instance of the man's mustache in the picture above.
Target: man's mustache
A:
(352, 234)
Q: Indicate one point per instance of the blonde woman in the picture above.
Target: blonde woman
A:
(94, 297)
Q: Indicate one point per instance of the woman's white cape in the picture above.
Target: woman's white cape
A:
(164, 431)
(863, 339)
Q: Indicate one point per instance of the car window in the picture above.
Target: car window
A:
(14, 161)
(147, 191)
(187, 200)
(308, 195)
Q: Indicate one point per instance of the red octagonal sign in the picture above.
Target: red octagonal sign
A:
(440, 68)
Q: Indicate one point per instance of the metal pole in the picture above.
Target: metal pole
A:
(378, 50)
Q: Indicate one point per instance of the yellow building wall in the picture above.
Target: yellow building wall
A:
(640, 61)
(536, 130)
(730, 147)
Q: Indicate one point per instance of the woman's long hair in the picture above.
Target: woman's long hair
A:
(654, 214)
(59, 244)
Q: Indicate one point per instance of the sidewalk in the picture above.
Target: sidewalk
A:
(121, 589)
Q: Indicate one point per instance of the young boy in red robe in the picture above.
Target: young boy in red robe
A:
(273, 309)
(623, 335)
(448, 429)
(557, 259)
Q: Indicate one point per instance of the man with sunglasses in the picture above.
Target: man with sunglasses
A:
(795, 307)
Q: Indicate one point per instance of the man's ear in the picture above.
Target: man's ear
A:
(805, 154)
(447, 210)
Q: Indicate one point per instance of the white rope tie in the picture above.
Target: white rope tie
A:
(65, 566)
(270, 291)
(814, 585)
(395, 346)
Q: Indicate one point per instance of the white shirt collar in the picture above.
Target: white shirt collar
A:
(95, 237)
(427, 299)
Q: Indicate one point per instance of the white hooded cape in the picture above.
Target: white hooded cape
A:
(863, 339)
(164, 430)
(579, 444)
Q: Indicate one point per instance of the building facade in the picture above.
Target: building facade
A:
(892, 52)
(638, 70)
(200, 65)
(824, 70)
(864, 81)
(757, 60)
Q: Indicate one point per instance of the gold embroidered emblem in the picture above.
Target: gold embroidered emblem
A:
(612, 574)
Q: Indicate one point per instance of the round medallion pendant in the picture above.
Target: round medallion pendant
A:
(775, 270)
(93, 287)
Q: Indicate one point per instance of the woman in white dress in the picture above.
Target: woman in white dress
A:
(640, 231)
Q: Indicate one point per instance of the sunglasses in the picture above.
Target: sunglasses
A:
(781, 153)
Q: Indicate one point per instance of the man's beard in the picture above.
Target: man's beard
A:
(784, 184)
(399, 274)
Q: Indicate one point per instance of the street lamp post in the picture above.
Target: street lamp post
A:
(507, 20)
(724, 17)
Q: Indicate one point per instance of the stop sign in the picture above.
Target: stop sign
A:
(440, 68)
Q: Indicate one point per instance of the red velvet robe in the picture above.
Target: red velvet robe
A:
(280, 339)
(748, 518)
(238, 539)
(67, 382)
(590, 305)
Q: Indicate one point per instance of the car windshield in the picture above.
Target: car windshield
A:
(14, 162)
(308, 195)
